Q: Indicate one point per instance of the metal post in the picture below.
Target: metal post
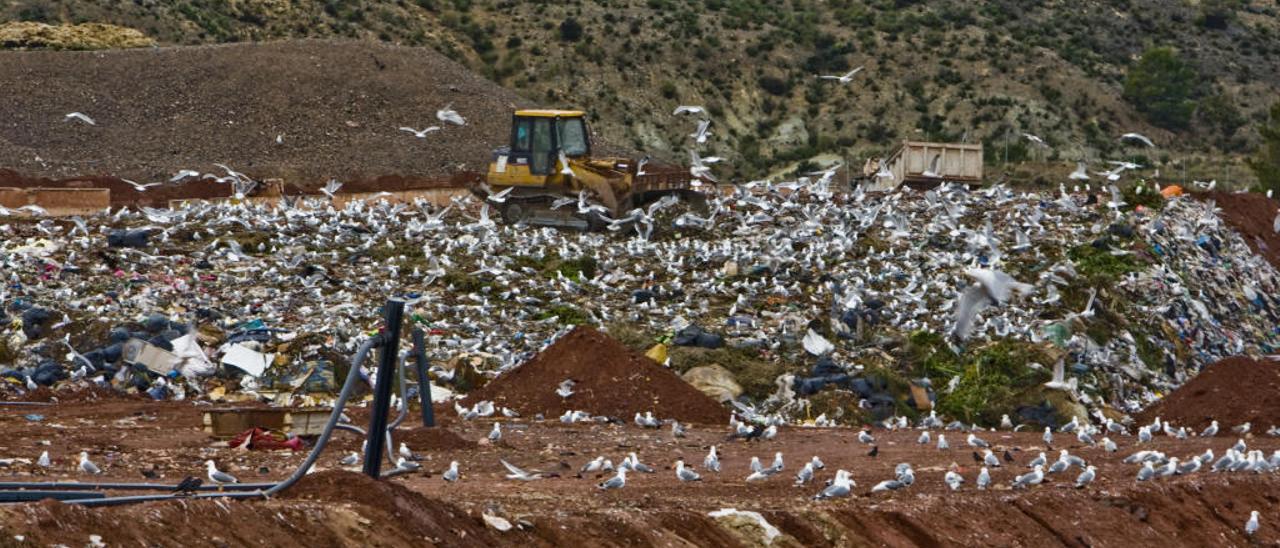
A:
(424, 383)
(376, 436)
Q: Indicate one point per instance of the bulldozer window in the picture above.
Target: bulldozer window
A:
(520, 141)
(573, 137)
(542, 147)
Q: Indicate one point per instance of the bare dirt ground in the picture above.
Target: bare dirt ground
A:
(335, 507)
(336, 105)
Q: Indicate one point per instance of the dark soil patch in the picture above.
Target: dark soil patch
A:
(611, 381)
(1231, 391)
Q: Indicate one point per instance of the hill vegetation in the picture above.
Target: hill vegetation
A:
(1195, 75)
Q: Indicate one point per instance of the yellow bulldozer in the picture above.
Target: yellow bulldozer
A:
(548, 176)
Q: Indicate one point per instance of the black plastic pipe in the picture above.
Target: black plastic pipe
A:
(424, 383)
(390, 351)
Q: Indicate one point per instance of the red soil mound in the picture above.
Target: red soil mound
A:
(611, 380)
(1231, 391)
(433, 439)
(1251, 214)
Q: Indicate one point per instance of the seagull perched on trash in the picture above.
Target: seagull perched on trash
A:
(87, 466)
(217, 476)
(843, 78)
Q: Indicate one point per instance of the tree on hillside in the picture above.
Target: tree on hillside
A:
(1163, 87)
(1266, 165)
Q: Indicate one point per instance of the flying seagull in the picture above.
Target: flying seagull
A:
(422, 134)
(1137, 137)
(1036, 139)
(1081, 173)
(447, 114)
(139, 186)
(518, 474)
(80, 116)
(687, 109)
(843, 79)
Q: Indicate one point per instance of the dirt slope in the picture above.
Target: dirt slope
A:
(1232, 391)
(335, 105)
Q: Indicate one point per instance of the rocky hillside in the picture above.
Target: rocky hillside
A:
(935, 69)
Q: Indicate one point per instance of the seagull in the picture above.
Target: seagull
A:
(1033, 477)
(1251, 526)
(1137, 137)
(217, 476)
(1086, 477)
(496, 433)
(407, 454)
(990, 287)
(330, 188)
(1241, 429)
(566, 386)
(990, 459)
(1036, 140)
(447, 114)
(616, 482)
(638, 466)
(686, 474)
(687, 109)
(924, 438)
(43, 461)
(805, 475)
(932, 172)
(184, 174)
(1081, 173)
(80, 116)
(703, 131)
(942, 443)
(840, 487)
(1211, 431)
(1048, 436)
(451, 475)
(845, 78)
(953, 480)
(865, 437)
(422, 134)
(1108, 445)
(518, 474)
(139, 186)
(712, 462)
(1148, 471)
(350, 460)
(984, 478)
(975, 441)
(677, 429)
(87, 466)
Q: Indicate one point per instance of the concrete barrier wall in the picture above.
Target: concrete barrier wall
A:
(58, 202)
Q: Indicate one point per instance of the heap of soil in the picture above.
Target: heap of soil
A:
(425, 440)
(611, 380)
(1251, 214)
(1232, 391)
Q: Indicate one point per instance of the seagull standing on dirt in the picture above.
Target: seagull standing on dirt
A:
(81, 117)
(686, 474)
(840, 487)
(496, 433)
(975, 441)
(350, 460)
(677, 429)
(942, 442)
(43, 461)
(1086, 477)
(407, 454)
(217, 476)
(844, 78)
(1211, 431)
(1251, 526)
(422, 134)
(712, 462)
(451, 475)
(448, 115)
(616, 482)
(953, 480)
(1033, 477)
(87, 466)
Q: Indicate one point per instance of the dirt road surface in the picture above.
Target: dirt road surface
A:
(335, 507)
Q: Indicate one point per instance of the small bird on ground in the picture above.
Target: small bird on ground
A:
(87, 466)
(451, 475)
(616, 482)
(496, 433)
(684, 473)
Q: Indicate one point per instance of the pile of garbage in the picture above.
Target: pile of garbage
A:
(808, 289)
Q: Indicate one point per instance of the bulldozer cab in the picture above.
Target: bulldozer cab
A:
(538, 136)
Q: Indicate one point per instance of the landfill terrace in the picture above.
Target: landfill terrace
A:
(799, 319)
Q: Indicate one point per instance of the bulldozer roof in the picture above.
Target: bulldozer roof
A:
(551, 113)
